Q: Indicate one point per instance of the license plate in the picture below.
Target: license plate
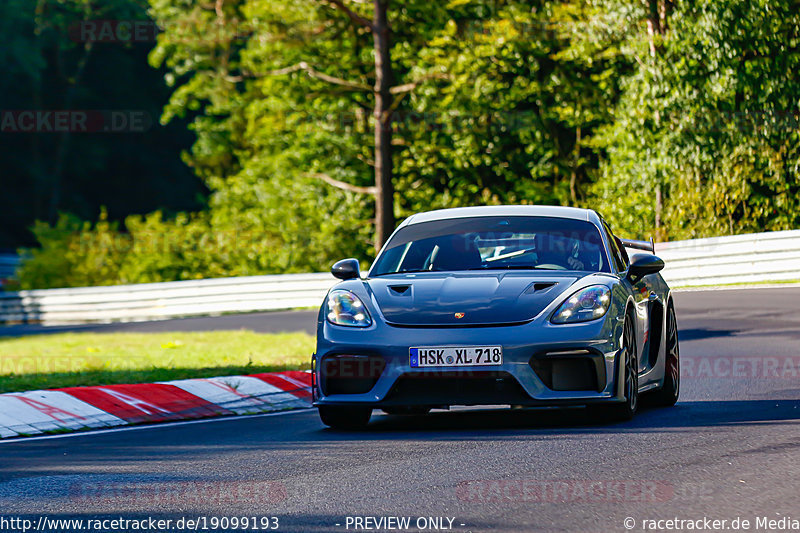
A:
(426, 356)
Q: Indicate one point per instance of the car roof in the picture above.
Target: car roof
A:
(574, 213)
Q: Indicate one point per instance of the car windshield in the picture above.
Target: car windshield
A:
(494, 243)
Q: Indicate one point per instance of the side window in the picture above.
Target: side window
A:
(619, 255)
(623, 251)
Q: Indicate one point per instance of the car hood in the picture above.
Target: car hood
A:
(439, 299)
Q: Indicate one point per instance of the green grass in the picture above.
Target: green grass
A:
(741, 284)
(75, 359)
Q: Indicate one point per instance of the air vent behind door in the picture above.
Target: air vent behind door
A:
(399, 289)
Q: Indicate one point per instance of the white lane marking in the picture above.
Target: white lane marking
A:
(152, 426)
(240, 394)
(736, 287)
(52, 410)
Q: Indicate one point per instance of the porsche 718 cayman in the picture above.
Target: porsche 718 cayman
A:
(508, 305)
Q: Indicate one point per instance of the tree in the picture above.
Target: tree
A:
(515, 121)
(384, 79)
(706, 123)
(313, 40)
(677, 116)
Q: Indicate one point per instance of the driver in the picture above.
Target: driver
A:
(561, 251)
(456, 252)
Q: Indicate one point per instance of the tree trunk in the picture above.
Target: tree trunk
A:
(659, 208)
(656, 25)
(384, 189)
(573, 179)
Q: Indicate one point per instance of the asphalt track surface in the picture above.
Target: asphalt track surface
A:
(729, 449)
(271, 322)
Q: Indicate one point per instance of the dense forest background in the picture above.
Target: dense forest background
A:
(280, 129)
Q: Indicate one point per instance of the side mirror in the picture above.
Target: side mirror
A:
(644, 264)
(346, 269)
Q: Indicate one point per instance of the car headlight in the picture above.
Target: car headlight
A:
(345, 309)
(586, 304)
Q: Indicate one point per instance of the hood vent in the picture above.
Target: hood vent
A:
(540, 286)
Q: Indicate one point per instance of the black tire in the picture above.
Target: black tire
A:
(345, 417)
(630, 386)
(668, 394)
(410, 410)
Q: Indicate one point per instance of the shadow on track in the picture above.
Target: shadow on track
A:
(694, 334)
(487, 423)
(302, 433)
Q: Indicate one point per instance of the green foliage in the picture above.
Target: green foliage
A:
(575, 102)
(513, 121)
(74, 254)
(236, 239)
(711, 120)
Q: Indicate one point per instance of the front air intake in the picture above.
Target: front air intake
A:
(350, 374)
(577, 370)
(467, 387)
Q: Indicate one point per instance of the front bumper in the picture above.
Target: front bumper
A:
(543, 365)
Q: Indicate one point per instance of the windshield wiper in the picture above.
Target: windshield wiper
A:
(487, 267)
(410, 271)
(511, 267)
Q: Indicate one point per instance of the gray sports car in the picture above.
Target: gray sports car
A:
(511, 305)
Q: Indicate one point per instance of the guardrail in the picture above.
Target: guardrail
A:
(8, 265)
(154, 301)
(722, 260)
(752, 258)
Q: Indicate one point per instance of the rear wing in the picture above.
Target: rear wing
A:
(647, 246)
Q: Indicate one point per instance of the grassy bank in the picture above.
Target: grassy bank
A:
(74, 359)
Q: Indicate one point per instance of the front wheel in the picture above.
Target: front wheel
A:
(668, 394)
(629, 358)
(345, 417)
